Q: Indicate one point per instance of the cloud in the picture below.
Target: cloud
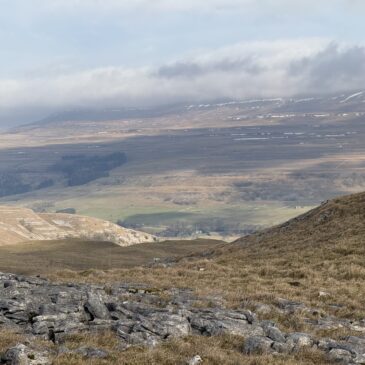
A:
(245, 70)
(124, 6)
(332, 69)
(191, 5)
(166, 5)
(194, 69)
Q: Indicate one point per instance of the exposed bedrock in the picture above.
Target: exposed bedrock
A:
(139, 315)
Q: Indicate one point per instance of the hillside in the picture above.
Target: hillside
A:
(316, 259)
(21, 225)
(330, 223)
(45, 257)
(292, 294)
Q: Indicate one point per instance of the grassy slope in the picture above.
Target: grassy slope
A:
(321, 251)
(45, 257)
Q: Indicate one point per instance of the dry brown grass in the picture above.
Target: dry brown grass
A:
(44, 257)
(214, 351)
(8, 339)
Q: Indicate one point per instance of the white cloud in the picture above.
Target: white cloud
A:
(193, 5)
(172, 5)
(257, 69)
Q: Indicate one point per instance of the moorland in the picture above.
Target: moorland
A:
(218, 170)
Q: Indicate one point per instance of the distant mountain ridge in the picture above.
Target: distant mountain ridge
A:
(339, 102)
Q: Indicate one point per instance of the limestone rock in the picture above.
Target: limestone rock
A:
(139, 316)
(340, 356)
(23, 355)
(258, 345)
(96, 307)
(196, 360)
(90, 352)
(299, 340)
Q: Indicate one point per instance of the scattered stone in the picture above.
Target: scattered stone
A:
(196, 360)
(323, 294)
(272, 332)
(16, 356)
(23, 355)
(299, 340)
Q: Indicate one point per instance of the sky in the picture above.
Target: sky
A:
(60, 55)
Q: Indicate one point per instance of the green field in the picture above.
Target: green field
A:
(218, 219)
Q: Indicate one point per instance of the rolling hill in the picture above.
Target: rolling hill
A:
(18, 225)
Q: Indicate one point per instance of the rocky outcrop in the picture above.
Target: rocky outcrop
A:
(140, 315)
(136, 314)
(349, 351)
(20, 225)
